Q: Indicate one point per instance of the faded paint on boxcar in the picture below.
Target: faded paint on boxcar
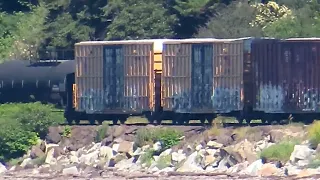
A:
(114, 78)
(302, 57)
(286, 76)
(267, 88)
(176, 77)
(203, 77)
(89, 73)
(228, 76)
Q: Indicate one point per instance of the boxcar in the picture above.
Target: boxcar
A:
(114, 79)
(204, 77)
(287, 78)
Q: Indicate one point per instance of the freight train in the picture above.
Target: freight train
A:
(247, 78)
(176, 79)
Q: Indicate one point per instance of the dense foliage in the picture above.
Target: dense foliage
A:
(29, 25)
(21, 125)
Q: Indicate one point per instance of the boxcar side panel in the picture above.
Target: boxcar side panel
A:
(269, 70)
(89, 78)
(139, 75)
(176, 77)
(304, 87)
(228, 76)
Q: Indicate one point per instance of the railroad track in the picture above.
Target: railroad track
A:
(175, 125)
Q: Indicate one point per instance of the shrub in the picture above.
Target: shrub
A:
(168, 136)
(279, 152)
(14, 140)
(314, 133)
(21, 125)
(101, 132)
(35, 117)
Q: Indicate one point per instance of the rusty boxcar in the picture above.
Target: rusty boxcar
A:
(114, 79)
(204, 77)
(287, 78)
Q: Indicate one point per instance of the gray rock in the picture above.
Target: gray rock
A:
(50, 159)
(178, 157)
(53, 136)
(90, 158)
(25, 162)
(106, 151)
(214, 145)
(198, 147)
(70, 171)
(3, 168)
(191, 164)
(125, 164)
(253, 168)
(107, 141)
(126, 147)
(157, 146)
(166, 152)
(301, 153)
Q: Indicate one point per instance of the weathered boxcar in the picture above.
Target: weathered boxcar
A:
(287, 78)
(114, 79)
(203, 77)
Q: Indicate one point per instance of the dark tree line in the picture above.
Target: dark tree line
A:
(29, 25)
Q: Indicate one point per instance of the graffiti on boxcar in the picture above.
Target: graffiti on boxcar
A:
(226, 99)
(182, 102)
(271, 98)
(311, 100)
(95, 100)
(91, 100)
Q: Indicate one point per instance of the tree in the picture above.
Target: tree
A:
(137, 19)
(281, 22)
(231, 21)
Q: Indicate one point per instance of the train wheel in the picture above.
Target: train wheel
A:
(123, 120)
(115, 121)
(150, 118)
(240, 119)
(210, 120)
(92, 120)
(69, 121)
(100, 121)
(202, 121)
(77, 121)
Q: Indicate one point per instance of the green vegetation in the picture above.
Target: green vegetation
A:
(314, 133)
(22, 125)
(147, 157)
(66, 131)
(102, 132)
(28, 27)
(168, 136)
(279, 152)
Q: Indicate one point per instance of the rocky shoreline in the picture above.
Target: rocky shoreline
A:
(200, 154)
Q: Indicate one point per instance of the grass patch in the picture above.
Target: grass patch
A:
(279, 152)
(101, 132)
(147, 157)
(245, 132)
(168, 136)
(314, 133)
